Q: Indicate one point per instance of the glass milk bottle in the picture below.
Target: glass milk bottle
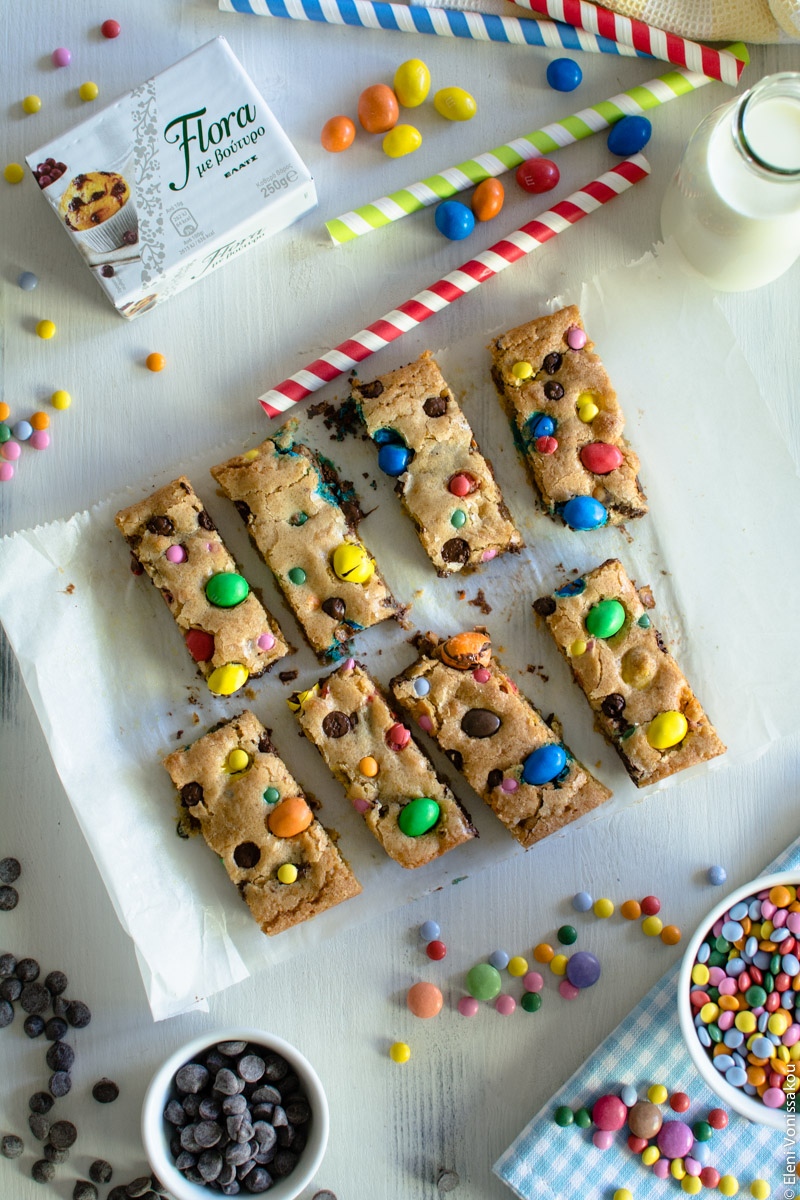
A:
(733, 205)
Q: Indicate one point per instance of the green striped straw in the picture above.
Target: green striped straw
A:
(583, 124)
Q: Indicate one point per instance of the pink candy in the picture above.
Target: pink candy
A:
(398, 736)
(174, 554)
(661, 1168)
(425, 723)
(602, 1139)
(39, 439)
(768, 910)
(793, 922)
(725, 1019)
(488, 555)
(360, 805)
(773, 1097)
(780, 918)
(505, 1004)
(567, 990)
(532, 981)
(509, 785)
(265, 641)
(727, 987)
(61, 57)
(791, 1036)
(576, 338)
(6, 472)
(468, 1006)
(693, 1167)
(716, 976)
(10, 451)
(481, 675)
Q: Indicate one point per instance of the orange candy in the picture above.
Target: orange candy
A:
(368, 766)
(631, 910)
(465, 651)
(337, 134)
(5, 411)
(40, 420)
(156, 362)
(487, 199)
(290, 817)
(543, 953)
(671, 935)
(424, 1000)
(756, 1076)
(780, 896)
(378, 110)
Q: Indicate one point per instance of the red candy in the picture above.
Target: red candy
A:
(717, 1118)
(773, 1002)
(743, 982)
(698, 999)
(601, 458)
(609, 1113)
(679, 1102)
(546, 445)
(756, 976)
(398, 736)
(709, 1177)
(782, 982)
(200, 645)
(635, 1144)
(110, 29)
(538, 175)
(462, 484)
(651, 904)
(436, 950)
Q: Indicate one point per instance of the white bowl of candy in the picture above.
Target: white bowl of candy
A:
(736, 998)
(239, 1108)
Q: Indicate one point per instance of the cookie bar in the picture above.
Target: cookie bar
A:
(386, 776)
(567, 422)
(642, 703)
(228, 632)
(253, 814)
(446, 485)
(515, 761)
(303, 522)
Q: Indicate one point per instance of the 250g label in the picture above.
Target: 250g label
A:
(271, 186)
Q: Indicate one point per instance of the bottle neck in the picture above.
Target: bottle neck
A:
(766, 128)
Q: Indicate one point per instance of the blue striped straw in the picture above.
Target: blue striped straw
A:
(442, 22)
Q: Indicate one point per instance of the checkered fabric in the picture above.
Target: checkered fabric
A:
(563, 1164)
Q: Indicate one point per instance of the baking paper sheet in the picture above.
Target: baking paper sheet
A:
(115, 690)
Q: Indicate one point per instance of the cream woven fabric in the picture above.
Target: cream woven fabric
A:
(717, 20)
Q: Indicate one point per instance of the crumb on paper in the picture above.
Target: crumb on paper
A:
(287, 676)
(195, 719)
(480, 601)
(179, 735)
(250, 694)
(419, 591)
(537, 669)
(461, 595)
(68, 590)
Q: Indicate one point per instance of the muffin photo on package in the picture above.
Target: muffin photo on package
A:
(97, 205)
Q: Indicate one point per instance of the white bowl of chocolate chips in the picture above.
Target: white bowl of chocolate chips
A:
(235, 1112)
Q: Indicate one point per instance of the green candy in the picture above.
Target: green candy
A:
(227, 589)
(567, 935)
(755, 996)
(605, 619)
(644, 621)
(712, 993)
(775, 965)
(272, 795)
(5, 433)
(563, 1116)
(768, 982)
(702, 1131)
(723, 945)
(297, 575)
(458, 519)
(483, 982)
(418, 817)
(714, 1032)
(583, 1118)
(532, 1002)
(715, 959)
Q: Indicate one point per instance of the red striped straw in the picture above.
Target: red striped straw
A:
(491, 262)
(627, 31)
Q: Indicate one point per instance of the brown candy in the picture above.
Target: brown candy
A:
(480, 723)
(465, 651)
(644, 1119)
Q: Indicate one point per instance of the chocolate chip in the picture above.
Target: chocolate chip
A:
(162, 526)
(455, 550)
(238, 1153)
(39, 1126)
(277, 1067)
(447, 1181)
(55, 1154)
(371, 390)
(207, 1134)
(545, 606)
(100, 1171)
(225, 1081)
(40, 1102)
(191, 1106)
(235, 1104)
(56, 983)
(60, 1083)
(456, 758)
(298, 1111)
(136, 566)
(60, 1056)
(60, 1006)
(191, 1078)
(33, 1026)
(9, 898)
(435, 406)
(251, 1068)
(480, 723)
(78, 1014)
(243, 509)
(209, 1164)
(62, 1134)
(334, 607)
(35, 998)
(105, 1091)
(96, 196)
(553, 390)
(284, 1162)
(117, 1193)
(43, 1171)
(336, 724)
(209, 1108)
(266, 1095)
(265, 745)
(175, 1115)
(27, 970)
(138, 1187)
(494, 779)
(246, 855)
(107, 272)
(10, 989)
(191, 794)
(8, 964)
(7, 1014)
(552, 363)
(613, 704)
(55, 1029)
(84, 1190)
(95, 218)
(130, 237)
(9, 870)
(660, 643)
(11, 1146)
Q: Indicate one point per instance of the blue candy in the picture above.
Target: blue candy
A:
(703, 1036)
(22, 430)
(381, 436)
(760, 1046)
(733, 1038)
(761, 1023)
(737, 1058)
(701, 1152)
(761, 959)
(735, 967)
(754, 911)
(393, 458)
(738, 912)
(27, 281)
(628, 1095)
(542, 426)
(750, 1089)
(723, 1063)
(583, 969)
(575, 587)
(581, 902)
(583, 512)
(717, 876)
(629, 136)
(422, 687)
(544, 764)
(750, 947)
(564, 75)
(429, 931)
(736, 1076)
(454, 220)
(704, 953)
(499, 959)
(732, 931)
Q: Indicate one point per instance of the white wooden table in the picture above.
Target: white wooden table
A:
(470, 1086)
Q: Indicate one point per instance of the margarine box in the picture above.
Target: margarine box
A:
(174, 179)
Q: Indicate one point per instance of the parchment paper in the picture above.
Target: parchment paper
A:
(115, 690)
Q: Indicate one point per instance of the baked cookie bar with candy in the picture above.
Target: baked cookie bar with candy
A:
(385, 774)
(515, 760)
(642, 702)
(303, 522)
(567, 422)
(253, 814)
(446, 485)
(228, 632)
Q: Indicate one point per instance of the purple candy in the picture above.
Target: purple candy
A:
(583, 969)
(675, 1139)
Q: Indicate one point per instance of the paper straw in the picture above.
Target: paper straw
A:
(719, 64)
(436, 297)
(639, 99)
(441, 22)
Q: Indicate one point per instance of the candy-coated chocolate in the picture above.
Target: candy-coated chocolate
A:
(271, 795)
(458, 519)
(45, 330)
(31, 104)
(227, 589)
(670, 935)
(412, 82)
(436, 950)
(10, 451)
(675, 1139)
(61, 399)
(237, 761)
(522, 370)
(418, 816)
(156, 362)
(61, 57)
(296, 575)
(631, 910)
(567, 935)
(397, 736)
(200, 645)
(464, 651)
(378, 111)
(537, 175)
(563, 1116)
(587, 411)
(6, 472)
(543, 953)
(88, 91)
(468, 1006)
(581, 902)
(400, 1052)
(27, 281)
(287, 873)
(517, 966)
(290, 817)
(40, 420)
(657, 1093)
(666, 730)
(429, 930)
(583, 969)
(532, 981)
(424, 1000)
(110, 28)
(487, 199)
(454, 220)
(605, 618)
(603, 907)
(629, 136)
(558, 964)
(455, 104)
(421, 687)
(576, 338)
(544, 764)
(368, 766)
(609, 1113)
(601, 457)
(546, 445)
(602, 1139)
(224, 681)
(22, 430)
(505, 1005)
(564, 75)
(651, 905)
(338, 133)
(531, 1002)
(14, 173)
(352, 563)
(265, 641)
(175, 554)
(578, 648)
(652, 926)
(483, 982)
(584, 512)
(462, 484)
(40, 439)
(402, 140)
(393, 458)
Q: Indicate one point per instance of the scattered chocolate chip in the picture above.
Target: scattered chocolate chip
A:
(9, 898)
(480, 723)
(9, 870)
(27, 970)
(336, 724)
(60, 1056)
(137, 1187)
(191, 794)
(247, 855)
(136, 566)
(287, 676)
(6, 1014)
(55, 1029)
(494, 779)
(545, 606)
(34, 1026)
(334, 607)
(59, 1083)
(162, 526)
(117, 1193)
(39, 1126)
(613, 705)
(8, 964)
(552, 363)
(35, 998)
(660, 643)
(370, 390)
(10, 989)
(78, 1014)
(242, 508)
(63, 1134)
(130, 237)
(107, 271)
(43, 1171)
(11, 1146)
(455, 550)
(205, 522)
(553, 390)
(435, 406)
(84, 1190)
(100, 1171)
(55, 1154)
(40, 1102)
(56, 983)
(60, 1007)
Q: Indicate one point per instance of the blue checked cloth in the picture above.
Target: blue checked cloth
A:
(645, 1048)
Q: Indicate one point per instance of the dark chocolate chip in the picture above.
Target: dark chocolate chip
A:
(161, 525)
(78, 1014)
(130, 237)
(175, 1115)
(35, 998)
(7, 1014)
(250, 1068)
(96, 196)
(138, 1187)
(8, 964)
(33, 1026)
(446, 1181)
(238, 1153)
(277, 1068)
(552, 363)
(284, 1163)
(184, 1160)
(60, 1083)
(456, 758)
(100, 1171)
(136, 566)
(480, 723)
(56, 983)
(27, 970)
(259, 1180)
(191, 794)
(63, 1134)
(41, 1102)
(60, 1056)
(298, 1111)
(209, 1164)
(117, 1193)
(265, 745)
(191, 1106)
(613, 704)
(494, 779)
(455, 550)
(55, 1029)
(43, 1171)
(205, 522)
(9, 898)
(265, 1095)
(10, 989)
(55, 1154)
(242, 508)
(11, 1146)
(39, 1126)
(334, 607)
(95, 218)
(545, 606)
(553, 390)
(60, 1006)
(225, 1080)
(191, 1078)
(207, 1134)
(84, 1190)
(660, 643)
(9, 870)
(210, 1108)
(235, 1104)
(107, 271)
(246, 855)
(279, 1116)
(336, 724)
(371, 390)
(435, 406)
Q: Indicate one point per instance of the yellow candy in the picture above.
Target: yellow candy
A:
(657, 1094)
(297, 700)
(587, 412)
(652, 926)
(287, 873)
(352, 563)
(558, 964)
(518, 965)
(667, 729)
(766, 929)
(403, 139)
(14, 173)
(238, 760)
(31, 104)
(623, 1194)
(778, 1023)
(522, 370)
(782, 1052)
(412, 82)
(677, 1169)
(224, 681)
(88, 91)
(46, 329)
(709, 1012)
(603, 907)
(400, 1052)
(651, 1155)
(691, 1185)
(61, 399)
(368, 766)
(794, 1052)
(728, 1185)
(455, 104)
(577, 648)
(745, 1022)
(760, 1189)
(250, 455)
(700, 974)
